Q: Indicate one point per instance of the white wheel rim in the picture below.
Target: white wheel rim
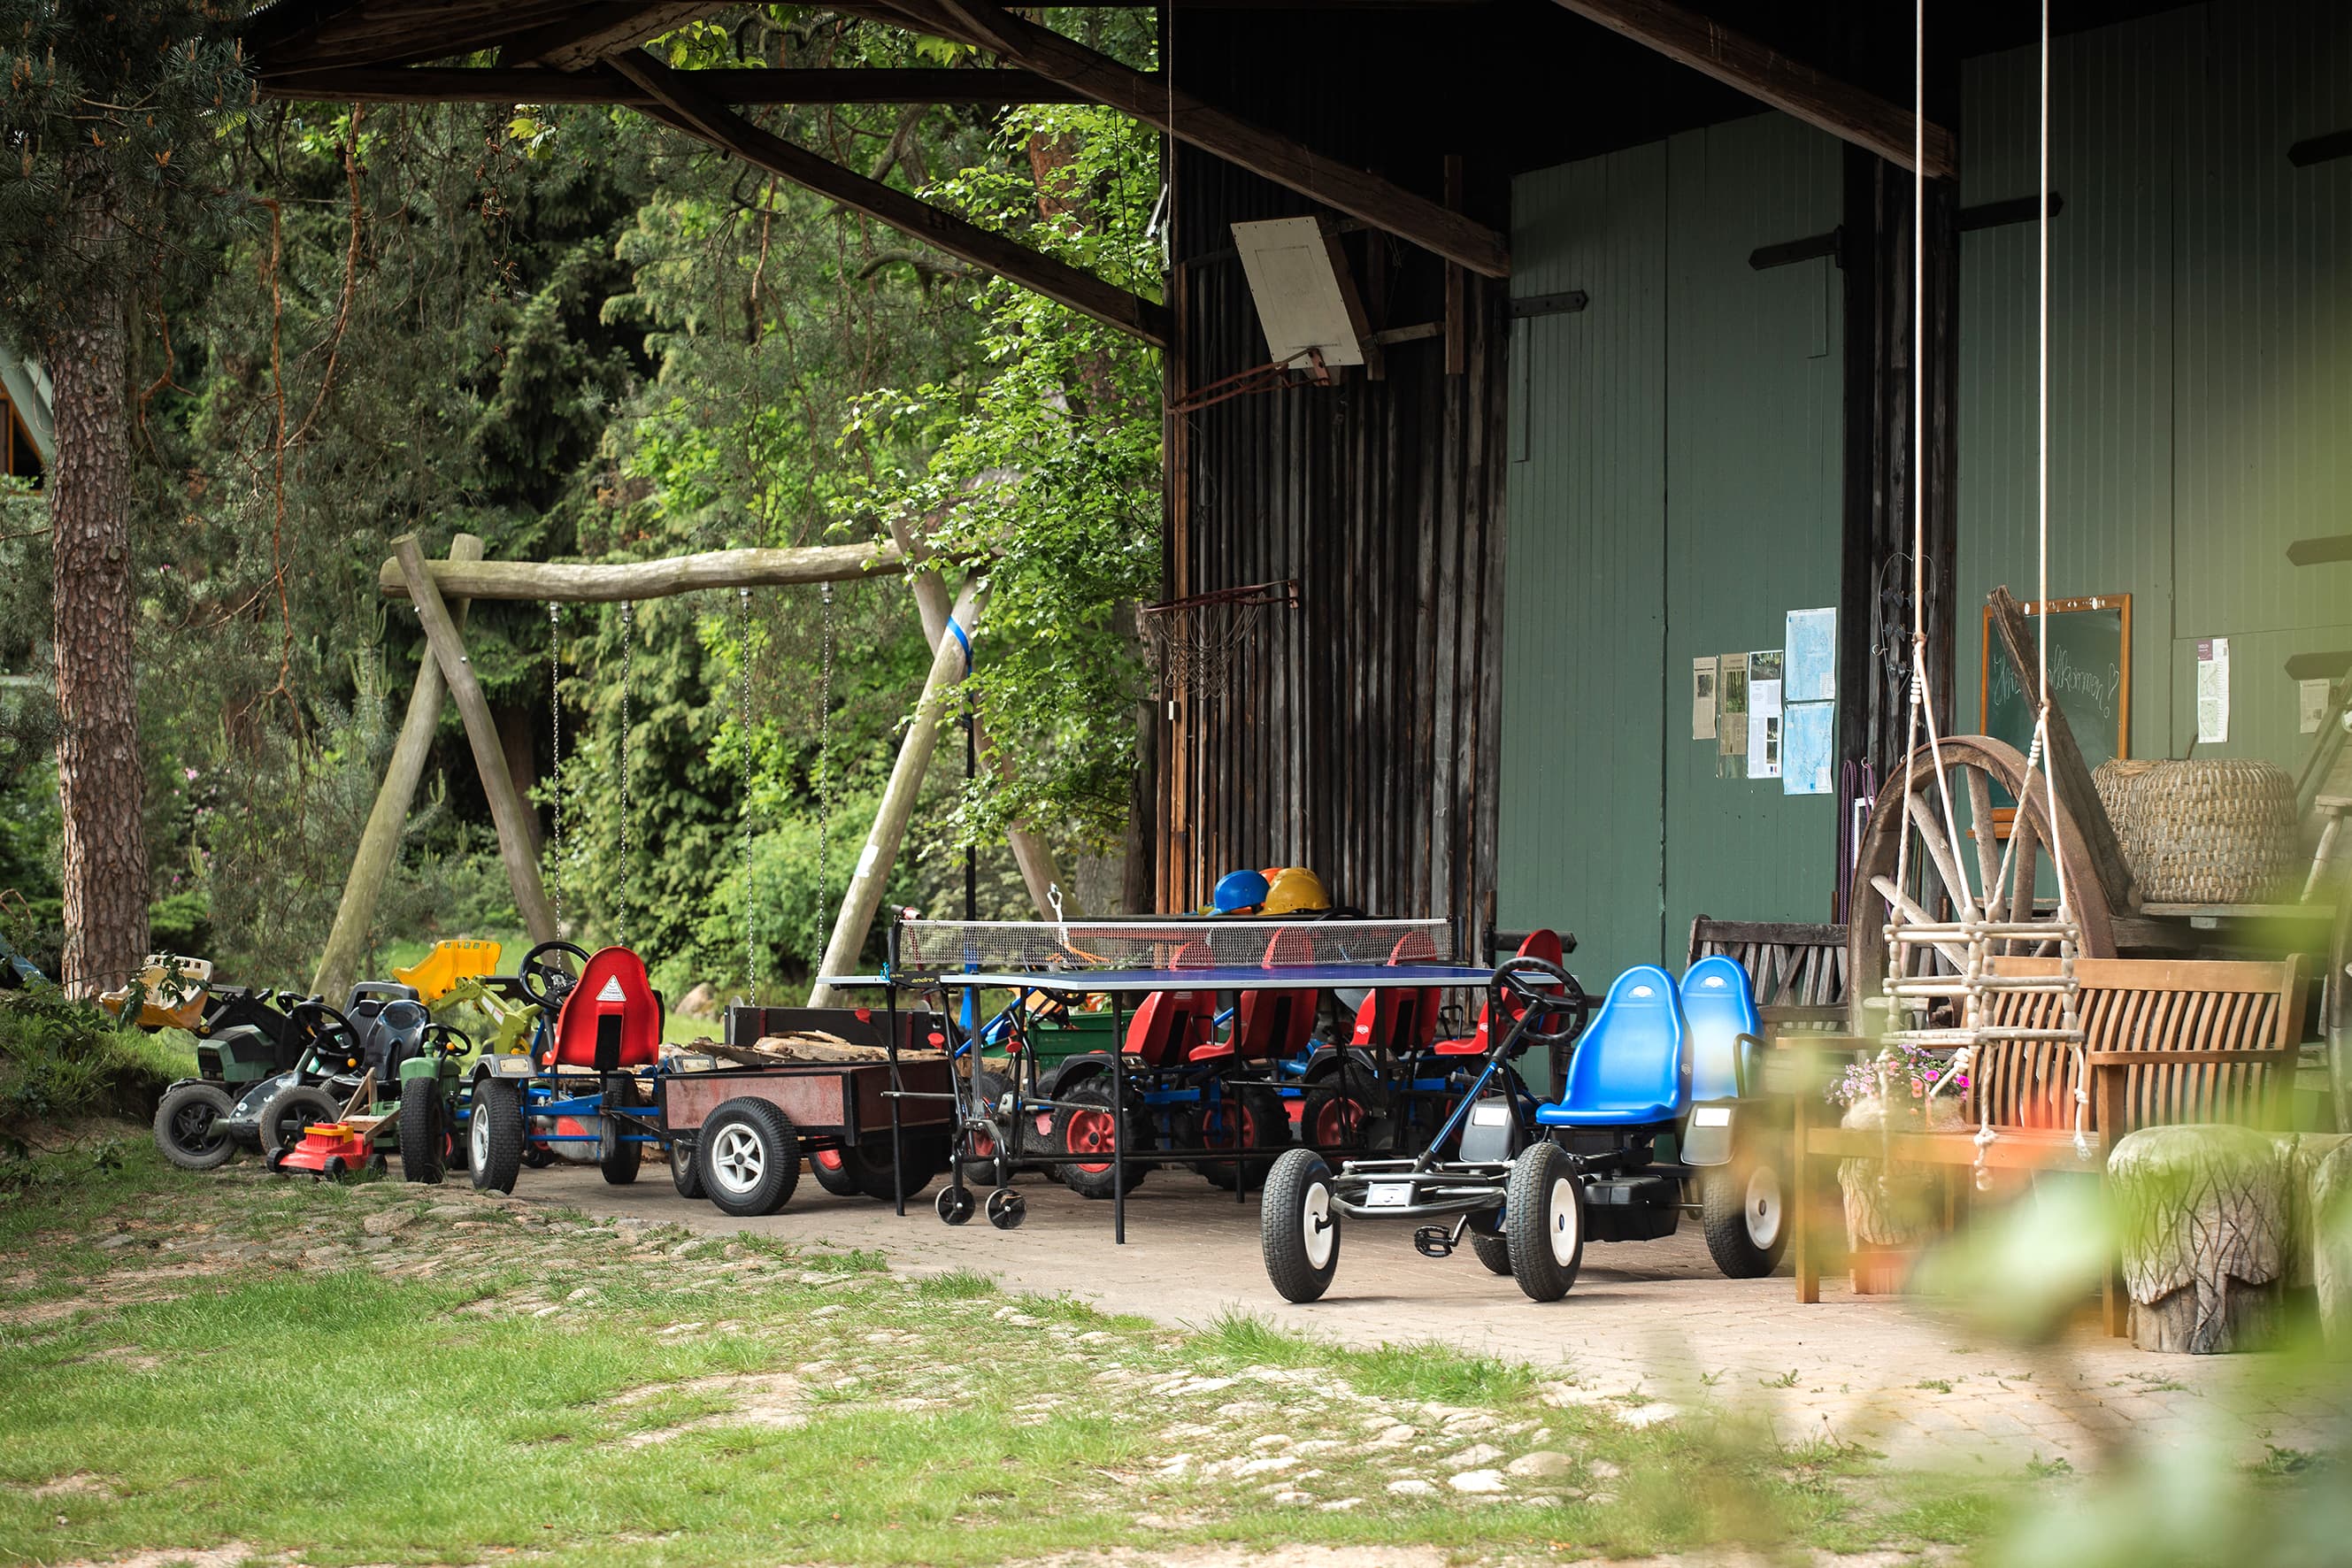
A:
(737, 1159)
(478, 1133)
(1762, 1207)
(1317, 1227)
(1565, 1218)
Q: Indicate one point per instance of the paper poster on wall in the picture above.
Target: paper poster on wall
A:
(1812, 673)
(2311, 705)
(1703, 699)
(1808, 737)
(2212, 691)
(1763, 724)
(1730, 713)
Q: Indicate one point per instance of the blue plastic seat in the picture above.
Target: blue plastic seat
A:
(1627, 1070)
(1719, 1007)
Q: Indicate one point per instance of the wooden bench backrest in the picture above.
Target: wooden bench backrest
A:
(1798, 971)
(2254, 1009)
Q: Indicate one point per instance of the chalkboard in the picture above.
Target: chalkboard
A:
(2090, 676)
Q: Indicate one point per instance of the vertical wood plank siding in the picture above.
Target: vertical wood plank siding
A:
(1356, 734)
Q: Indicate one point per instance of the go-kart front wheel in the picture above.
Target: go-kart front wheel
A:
(1492, 1251)
(1747, 1222)
(1299, 1227)
(1543, 1222)
(494, 1139)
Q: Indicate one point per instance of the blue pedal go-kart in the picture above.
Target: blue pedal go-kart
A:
(582, 1088)
(1528, 1184)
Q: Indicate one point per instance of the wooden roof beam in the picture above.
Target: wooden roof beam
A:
(1380, 203)
(580, 41)
(1769, 77)
(679, 103)
(429, 84)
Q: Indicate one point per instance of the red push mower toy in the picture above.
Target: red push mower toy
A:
(333, 1150)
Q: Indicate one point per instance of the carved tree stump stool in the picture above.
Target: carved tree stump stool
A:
(2204, 1215)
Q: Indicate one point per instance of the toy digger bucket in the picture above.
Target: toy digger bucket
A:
(157, 1006)
(459, 958)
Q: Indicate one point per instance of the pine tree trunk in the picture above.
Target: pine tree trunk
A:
(99, 785)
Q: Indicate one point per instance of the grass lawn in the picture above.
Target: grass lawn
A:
(385, 1374)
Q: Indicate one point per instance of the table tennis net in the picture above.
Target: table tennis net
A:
(942, 947)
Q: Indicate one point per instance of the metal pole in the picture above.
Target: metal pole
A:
(890, 1046)
(1117, 1125)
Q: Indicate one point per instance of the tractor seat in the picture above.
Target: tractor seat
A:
(610, 1020)
(1628, 1069)
(1719, 1012)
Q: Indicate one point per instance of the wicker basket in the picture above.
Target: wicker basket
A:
(2202, 832)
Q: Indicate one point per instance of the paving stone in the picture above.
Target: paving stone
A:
(1414, 1487)
(1478, 1481)
(1542, 1465)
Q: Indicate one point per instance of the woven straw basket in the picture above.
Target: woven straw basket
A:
(2202, 832)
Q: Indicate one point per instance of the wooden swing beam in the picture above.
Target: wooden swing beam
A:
(578, 582)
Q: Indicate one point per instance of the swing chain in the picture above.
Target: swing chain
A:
(824, 755)
(750, 928)
(555, 777)
(628, 672)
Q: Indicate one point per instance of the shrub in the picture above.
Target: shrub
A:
(60, 1060)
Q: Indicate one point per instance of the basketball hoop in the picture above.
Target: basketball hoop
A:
(1190, 642)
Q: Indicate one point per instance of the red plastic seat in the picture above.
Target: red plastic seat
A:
(1269, 1023)
(1171, 1026)
(1543, 944)
(1401, 1020)
(610, 1020)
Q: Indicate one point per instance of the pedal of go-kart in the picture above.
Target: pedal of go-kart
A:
(1434, 1241)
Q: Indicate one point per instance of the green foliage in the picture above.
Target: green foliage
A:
(62, 1059)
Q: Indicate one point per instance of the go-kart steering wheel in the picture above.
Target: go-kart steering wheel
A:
(1537, 991)
(324, 1032)
(547, 984)
(447, 1039)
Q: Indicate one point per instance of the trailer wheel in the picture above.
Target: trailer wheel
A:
(421, 1136)
(1299, 1227)
(187, 1127)
(1084, 1128)
(1543, 1222)
(617, 1155)
(494, 1139)
(685, 1170)
(1746, 1220)
(1247, 1118)
(751, 1157)
(1492, 1251)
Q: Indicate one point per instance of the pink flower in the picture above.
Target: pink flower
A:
(191, 772)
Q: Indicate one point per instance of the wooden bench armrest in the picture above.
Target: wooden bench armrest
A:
(2251, 1056)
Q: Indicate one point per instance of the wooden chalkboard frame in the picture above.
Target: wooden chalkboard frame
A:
(1988, 644)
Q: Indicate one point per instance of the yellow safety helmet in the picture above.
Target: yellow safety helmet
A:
(1295, 890)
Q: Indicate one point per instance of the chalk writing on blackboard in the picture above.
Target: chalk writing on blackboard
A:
(2090, 676)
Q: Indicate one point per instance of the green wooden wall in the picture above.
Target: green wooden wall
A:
(2201, 380)
(1673, 492)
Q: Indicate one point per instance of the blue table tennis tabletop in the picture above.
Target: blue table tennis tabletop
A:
(1232, 977)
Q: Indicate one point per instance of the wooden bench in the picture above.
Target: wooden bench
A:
(1798, 971)
(2165, 1041)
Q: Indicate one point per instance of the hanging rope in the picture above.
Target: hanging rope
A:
(825, 759)
(628, 681)
(744, 728)
(555, 708)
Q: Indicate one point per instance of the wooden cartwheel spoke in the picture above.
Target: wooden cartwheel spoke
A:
(1911, 804)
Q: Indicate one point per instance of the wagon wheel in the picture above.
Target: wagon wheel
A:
(1940, 879)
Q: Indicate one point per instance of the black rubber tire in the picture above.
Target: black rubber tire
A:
(423, 1141)
(990, 1088)
(868, 1164)
(1735, 1211)
(750, 1157)
(494, 1136)
(1264, 1125)
(187, 1126)
(831, 1169)
(1492, 1251)
(685, 1169)
(287, 1112)
(1296, 1221)
(1543, 1222)
(617, 1158)
(1088, 1106)
(1343, 1106)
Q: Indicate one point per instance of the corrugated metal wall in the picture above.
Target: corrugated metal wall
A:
(1674, 492)
(2202, 351)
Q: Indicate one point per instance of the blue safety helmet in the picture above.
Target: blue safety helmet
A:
(1238, 891)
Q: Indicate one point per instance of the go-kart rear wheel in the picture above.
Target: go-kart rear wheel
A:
(285, 1114)
(618, 1156)
(1085, 1128)
(494, 1136)
(831, 1169)
(1335, 1119)
(869, 1163)
(423, 1139)
(685, 1170)
(1543, 1222)
(1492, 1251)
(187, 1126)
(751, 1157)
(1246, 1118)
(1747, 1222)
(1299, 1227)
